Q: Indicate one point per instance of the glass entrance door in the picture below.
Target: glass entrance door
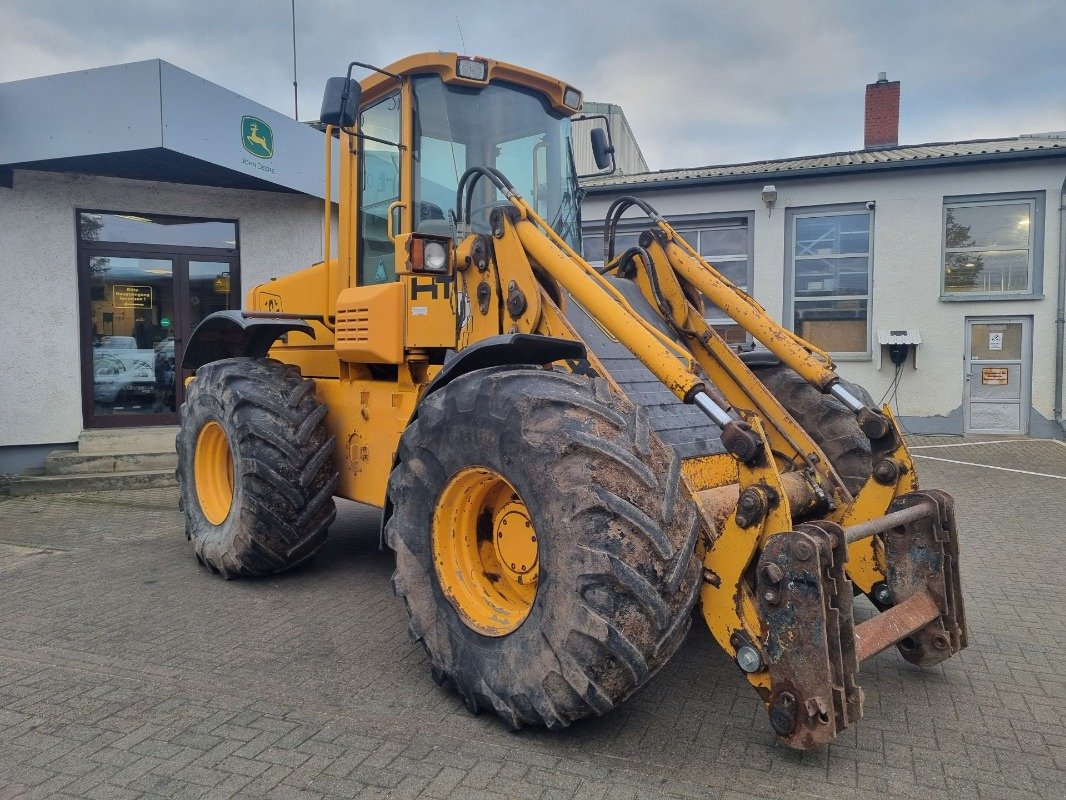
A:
(132, 319)
(146, 281)
(142, 310)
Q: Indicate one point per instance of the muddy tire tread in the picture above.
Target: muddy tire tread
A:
(826, 420)
(636, 555)
(283, 461)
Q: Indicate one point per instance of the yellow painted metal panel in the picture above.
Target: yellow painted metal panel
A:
(369, 328)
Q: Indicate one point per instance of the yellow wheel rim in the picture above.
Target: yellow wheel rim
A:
(213, 471)
(485, 551)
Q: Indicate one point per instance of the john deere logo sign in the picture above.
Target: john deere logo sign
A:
(257, 137)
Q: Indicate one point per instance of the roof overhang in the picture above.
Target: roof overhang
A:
(150, 120)
(838, 170)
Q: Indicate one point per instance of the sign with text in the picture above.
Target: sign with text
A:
(131, 296)
(994, 376)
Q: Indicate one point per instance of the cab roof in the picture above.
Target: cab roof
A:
(446, 65)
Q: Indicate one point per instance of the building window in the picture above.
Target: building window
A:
(155, 229)
(831, 279)
(724, 242)
(726, 247)
(991, 247)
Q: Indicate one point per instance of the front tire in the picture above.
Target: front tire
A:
(254, 467)
(608, 548)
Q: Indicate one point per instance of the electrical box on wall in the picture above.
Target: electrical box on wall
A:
(898, 344)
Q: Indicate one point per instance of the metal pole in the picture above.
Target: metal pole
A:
(894, 520)
(1060, 312)
(295, 91)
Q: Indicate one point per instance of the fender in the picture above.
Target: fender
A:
(231, 334)
(501, 351)
(512, 349)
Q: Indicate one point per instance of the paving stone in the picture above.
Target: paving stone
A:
(128, 671)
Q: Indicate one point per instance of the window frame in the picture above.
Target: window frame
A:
(685, 223)
(398, 95)
(789, 311)
(1037, 201)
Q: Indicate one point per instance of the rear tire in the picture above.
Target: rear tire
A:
(278, 506)
(826, 420)
(616, 534)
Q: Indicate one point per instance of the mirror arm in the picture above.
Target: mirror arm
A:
(346, 95)
(372, 68)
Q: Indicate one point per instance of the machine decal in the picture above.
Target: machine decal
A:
(429, 286)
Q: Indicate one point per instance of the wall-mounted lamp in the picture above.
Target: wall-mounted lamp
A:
(769, 196)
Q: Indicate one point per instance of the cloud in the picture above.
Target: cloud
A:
(702, 82)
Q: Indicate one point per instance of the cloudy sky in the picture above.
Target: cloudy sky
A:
(702, 82)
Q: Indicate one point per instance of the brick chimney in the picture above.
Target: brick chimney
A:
(882, 113)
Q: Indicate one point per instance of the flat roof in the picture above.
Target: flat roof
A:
(936, 154)
(151, 120)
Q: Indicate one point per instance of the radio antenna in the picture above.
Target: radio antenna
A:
(460, 27)
(295, 90)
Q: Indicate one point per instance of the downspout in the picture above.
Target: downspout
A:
(1060, 314)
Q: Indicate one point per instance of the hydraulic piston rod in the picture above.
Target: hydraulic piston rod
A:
(620, 322)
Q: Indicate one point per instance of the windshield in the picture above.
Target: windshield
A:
(502, 125)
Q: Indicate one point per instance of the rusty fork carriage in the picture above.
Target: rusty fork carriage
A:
(814, 646)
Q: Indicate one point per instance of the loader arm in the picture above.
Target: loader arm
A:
(784, 542)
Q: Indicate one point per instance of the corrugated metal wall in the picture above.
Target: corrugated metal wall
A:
(627, 152)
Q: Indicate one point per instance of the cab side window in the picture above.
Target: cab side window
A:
(379, 187)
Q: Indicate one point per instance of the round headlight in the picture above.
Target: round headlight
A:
(436, 257)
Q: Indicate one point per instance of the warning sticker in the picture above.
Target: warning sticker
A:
(994, 376)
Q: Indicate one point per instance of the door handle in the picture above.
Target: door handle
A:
(390, 212)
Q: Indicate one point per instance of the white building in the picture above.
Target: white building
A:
(134, 200)
(958, 248)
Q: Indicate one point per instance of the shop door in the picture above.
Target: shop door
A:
(141, 310)
(997, 375)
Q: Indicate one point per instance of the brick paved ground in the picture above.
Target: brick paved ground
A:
(126, 670)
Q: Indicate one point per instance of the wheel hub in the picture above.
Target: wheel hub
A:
(485, 551)
(516, 543)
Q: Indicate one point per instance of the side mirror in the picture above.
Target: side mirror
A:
(340, 102)
(602, 151)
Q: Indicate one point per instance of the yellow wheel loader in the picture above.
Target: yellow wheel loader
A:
(569, 459)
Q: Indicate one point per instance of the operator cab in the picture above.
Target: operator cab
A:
(426, 120)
